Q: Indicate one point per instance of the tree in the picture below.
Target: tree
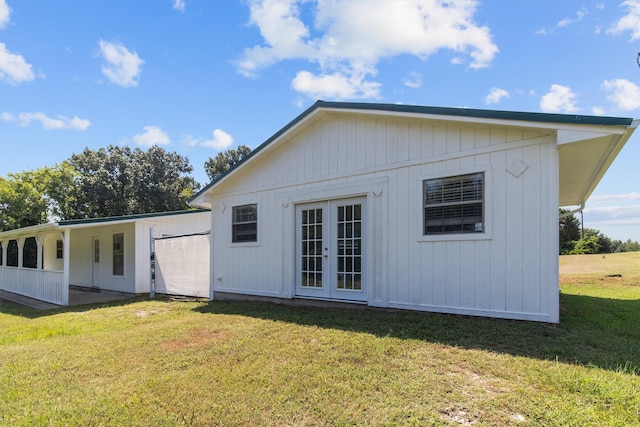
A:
(569, 231)
(21, 204)
(160, 181)
(588, 245)
(104, 177)
(57, 185)
(630, 246)
(218, 165)
(116, 181)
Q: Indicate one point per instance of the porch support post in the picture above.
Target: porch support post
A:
(39, 260)
(20, 242)
(66, 242)
(4, 244)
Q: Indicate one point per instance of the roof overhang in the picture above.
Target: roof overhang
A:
(29, 231)
(90, 222)
(585, 156)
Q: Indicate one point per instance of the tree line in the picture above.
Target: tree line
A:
(118, 180)
(111, 181)
(575, 240)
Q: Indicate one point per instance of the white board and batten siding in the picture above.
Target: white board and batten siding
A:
(164, 226)
(509, 271)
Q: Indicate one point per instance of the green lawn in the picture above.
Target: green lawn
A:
(167, 363)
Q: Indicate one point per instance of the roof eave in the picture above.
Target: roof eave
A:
(490, 117)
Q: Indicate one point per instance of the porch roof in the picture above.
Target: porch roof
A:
(87, 222)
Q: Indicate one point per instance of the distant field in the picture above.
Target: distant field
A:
(625, 263)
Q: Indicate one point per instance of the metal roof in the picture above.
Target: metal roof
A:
(76, 223)
(127, 218)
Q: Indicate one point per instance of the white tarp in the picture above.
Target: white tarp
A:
(182, 265)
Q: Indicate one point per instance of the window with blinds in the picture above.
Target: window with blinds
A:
(454, 204)
(245, 224)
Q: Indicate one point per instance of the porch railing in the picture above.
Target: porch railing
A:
(44, 285)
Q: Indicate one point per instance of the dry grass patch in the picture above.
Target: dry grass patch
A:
(625, 264)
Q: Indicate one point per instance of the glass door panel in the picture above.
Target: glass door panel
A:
(330, 244)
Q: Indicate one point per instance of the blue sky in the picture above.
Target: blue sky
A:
(200, 76)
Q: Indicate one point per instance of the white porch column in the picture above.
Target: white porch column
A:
(20, 242)
(39, 243)
(66, 242)
(4, 244)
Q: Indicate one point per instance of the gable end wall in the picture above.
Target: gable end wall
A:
(510, 271)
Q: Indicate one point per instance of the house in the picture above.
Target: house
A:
(447, 210)
(107, 254)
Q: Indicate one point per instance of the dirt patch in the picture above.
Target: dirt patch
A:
(460, 415)
(147, 313)
(490, 385)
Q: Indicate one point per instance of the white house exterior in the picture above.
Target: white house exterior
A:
(435, 209)
(109, 254)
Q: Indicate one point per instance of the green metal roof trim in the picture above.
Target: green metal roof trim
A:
(440, 111)
(127, 217)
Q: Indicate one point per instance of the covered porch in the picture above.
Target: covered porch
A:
(34, 262)
(77, 296)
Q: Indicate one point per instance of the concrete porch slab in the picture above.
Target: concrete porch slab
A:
(77, 296)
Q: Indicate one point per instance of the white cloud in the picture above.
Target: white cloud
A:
(565, 22)
(559, 99)
(350, 37)
(48, 123)
(621, 215)
(122, 66)
(414, 80)
(220, 140)
(496, 95)
(13, 68)
(335, 86)
(608, 197)
(189, 140)
(5, 13)
(299, 102)
(629, 22)
(598, 111)
(179, 5)
(623, 93)
(580, 14)
(152, 135)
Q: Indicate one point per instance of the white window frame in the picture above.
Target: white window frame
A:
(486, 202)
(59, 249)
(234, 224)
(124, 254)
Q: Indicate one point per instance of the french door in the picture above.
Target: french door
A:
(330, 244)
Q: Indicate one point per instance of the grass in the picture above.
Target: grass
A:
(166, 363)
(625, 264)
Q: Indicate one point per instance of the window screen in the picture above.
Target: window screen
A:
(454, 204)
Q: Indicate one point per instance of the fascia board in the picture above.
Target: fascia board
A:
(28, 231)
(530, 124)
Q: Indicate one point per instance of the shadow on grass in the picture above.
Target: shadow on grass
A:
(593, 331)
(15, 309)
